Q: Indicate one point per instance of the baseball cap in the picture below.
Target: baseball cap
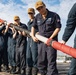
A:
(39, 4)
(16, 18)
(31, 10)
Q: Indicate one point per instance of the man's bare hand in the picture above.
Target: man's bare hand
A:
(63, 42)
(20, 32)
(24, 34)
(35, 39)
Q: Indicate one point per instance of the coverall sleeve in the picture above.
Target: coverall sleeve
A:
(35, 23)
(71, 24)
(57, 21)
(2, 28)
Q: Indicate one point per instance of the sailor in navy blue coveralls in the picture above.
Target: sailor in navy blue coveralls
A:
(21, 43)
(49, 25)
(32, 48)
(3, 48)
(69, 30)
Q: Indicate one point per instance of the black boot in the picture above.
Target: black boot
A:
(6, 69)
(0, 68)
(34, 71)
(22, 71)
(28, 71)
(13, 70)
(17, 71)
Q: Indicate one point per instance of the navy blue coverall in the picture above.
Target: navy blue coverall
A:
(46, 54)
(3, 48)
(32, 50)
(11, 48)
(70, 27)
(21, 43)
(1, 44)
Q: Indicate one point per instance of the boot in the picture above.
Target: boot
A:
(0, 68)
(6, 69)
(17, 71)
(34, 71)
(22, 71)
(28, 71)
(13, 70)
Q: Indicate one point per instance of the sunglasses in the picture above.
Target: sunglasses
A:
(30, 13)
(17, 20)
(39, 8)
